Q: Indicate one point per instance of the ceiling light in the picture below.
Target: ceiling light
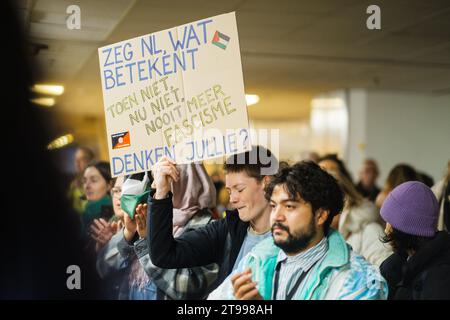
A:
(60, 142)
(251, 99)
(44, 102)
(50, 89)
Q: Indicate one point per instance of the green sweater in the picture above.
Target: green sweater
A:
(93, 211)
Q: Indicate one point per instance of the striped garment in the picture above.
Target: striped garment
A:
(293, 267)
(178, 284)
(340, 275)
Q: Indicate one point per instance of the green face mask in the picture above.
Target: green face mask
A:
(129, 202)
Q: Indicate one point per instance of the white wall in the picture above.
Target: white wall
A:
(294, 137)
(357, 127)
(400, 127)
(329, 123)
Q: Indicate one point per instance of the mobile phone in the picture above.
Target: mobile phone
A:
(106, 212)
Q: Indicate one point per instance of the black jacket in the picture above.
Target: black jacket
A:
(426, 275)
(218, 242)
(370, 194)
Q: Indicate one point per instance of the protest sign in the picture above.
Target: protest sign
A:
(177, 92)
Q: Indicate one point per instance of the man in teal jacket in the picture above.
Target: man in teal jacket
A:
(304, 259)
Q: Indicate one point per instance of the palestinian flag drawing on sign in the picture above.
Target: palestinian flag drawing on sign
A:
(220, 40)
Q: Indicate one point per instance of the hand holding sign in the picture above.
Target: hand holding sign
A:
(163, 171)
(141, 220)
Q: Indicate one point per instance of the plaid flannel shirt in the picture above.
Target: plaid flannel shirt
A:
(178, 284)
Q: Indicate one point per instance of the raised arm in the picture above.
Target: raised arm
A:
(193, 248)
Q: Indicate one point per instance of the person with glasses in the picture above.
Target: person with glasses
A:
(128, 249)
(102, 230)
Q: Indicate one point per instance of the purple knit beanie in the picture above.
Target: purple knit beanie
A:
(412, 208)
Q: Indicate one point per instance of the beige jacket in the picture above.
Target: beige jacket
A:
(360, 226)
(438, 189)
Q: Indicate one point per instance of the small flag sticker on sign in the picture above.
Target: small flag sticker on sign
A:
(220, 40)
(121, 140)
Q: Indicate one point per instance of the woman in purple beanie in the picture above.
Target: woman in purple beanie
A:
(420, 266)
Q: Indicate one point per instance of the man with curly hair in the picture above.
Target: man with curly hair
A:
(304, 259)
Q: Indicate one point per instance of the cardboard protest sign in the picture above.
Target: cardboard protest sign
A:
(177, 92)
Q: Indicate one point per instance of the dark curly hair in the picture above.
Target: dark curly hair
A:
(314, 185)
(402, 242)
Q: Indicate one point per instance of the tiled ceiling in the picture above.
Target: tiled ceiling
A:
(290, 49)
(67, 50)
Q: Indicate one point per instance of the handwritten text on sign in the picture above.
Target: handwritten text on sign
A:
(177, 92)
